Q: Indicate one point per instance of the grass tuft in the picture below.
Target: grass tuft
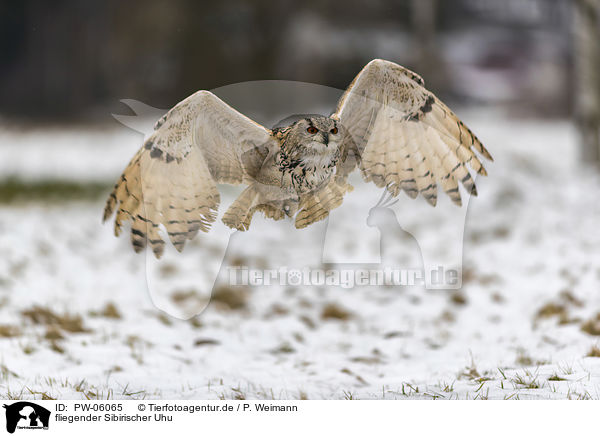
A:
(284, 348)
(9, 331)
(551, 309)
(109, 311)
(66, 322)
(230, 298)
(592, 326)
(333, 311)
(556, 377)
(594, 352)
(458, 298)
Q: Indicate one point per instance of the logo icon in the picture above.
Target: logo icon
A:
(26, 415)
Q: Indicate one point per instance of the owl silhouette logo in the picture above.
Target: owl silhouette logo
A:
(26, 415)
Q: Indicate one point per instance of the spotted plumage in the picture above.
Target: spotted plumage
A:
(399, 135)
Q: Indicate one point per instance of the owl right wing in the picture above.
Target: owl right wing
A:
(172, 179)
(403, 137)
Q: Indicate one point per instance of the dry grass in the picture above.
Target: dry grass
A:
(551, 309)
(9, 331)
(560, 308)
(65, 322)
(168, 270)
(203, 342)
(556, 377)
(230, 298)
(592, 325)
(277, 310)
(196, 323)
(334, 311)
(111, 311)
(497, 298)
(447, 316)
(527, 380)
(284, 348)
(5, 373)
(56, 347)
(458, 298)
(472, 373)
(164, 319)
(523, 359)
(184, 296)
(594, 352)
(569, 298)
(108, 311)
(367, 360)
(53, 334)
(308, 322)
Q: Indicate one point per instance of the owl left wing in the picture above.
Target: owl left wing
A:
(171, 182)
(404, 137)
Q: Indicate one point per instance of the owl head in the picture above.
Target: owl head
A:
(315, 133)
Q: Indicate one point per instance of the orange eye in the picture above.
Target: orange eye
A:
(312, 130)
(334, 130)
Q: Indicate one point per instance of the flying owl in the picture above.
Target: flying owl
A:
(387, 124)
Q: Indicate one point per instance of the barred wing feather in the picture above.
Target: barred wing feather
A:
(172, 179)
(407, 139)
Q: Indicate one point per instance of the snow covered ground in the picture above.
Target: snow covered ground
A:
(79, 315)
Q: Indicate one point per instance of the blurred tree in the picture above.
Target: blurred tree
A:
(423, 23)
(587, 83)
(428, 61)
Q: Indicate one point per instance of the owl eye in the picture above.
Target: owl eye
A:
(312, 130)
(334, 130)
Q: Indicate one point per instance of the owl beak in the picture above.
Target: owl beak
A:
(326, 139)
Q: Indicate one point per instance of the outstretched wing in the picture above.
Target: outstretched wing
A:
(172, 179)
(405, 136)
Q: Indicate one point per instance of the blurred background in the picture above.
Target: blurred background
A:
(68, 61)
(77, 320)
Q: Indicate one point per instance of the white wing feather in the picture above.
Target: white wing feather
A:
(407, 139)
(172, 179)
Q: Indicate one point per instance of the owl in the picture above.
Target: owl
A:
(387, 125)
